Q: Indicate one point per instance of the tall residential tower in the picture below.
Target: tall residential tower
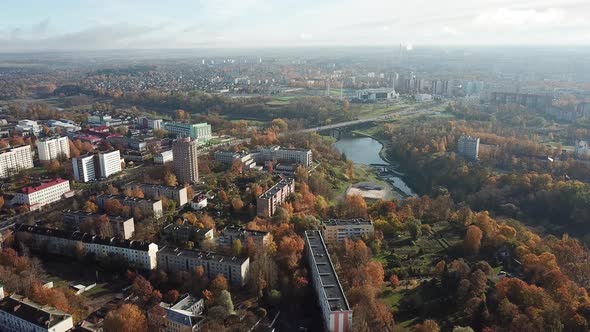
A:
(185, 163)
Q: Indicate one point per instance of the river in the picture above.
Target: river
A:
(365, 151)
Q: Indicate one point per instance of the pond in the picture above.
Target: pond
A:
(365, 151)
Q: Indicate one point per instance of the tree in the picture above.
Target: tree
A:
(237, 203)
(218, 284)
(90, 206)
(280, 124)
(171, 296)
(1, 202)
(113, 207)
(472, 241)
(111, 190)
(394, 281)
(224, 300)
(236, 167)
(125, 319)
(237, 247)
(415, 227)
(170, 180)
(428, 325)
(181, 115)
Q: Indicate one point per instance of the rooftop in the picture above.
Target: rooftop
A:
(43, 316)
(333, 292)
(126, 198)
(44, 185)
(277, 187)
(85, 237)
(236, 229)
(202, 255)
(345, 222)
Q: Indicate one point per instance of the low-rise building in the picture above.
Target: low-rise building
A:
(154, 191)
(18, 313)
(336, 312)
(373, 95)
(147, 206)
(123, 227)
(336, 230)
(45, 193)
(27, 127)
(229, 234)
(199, 202)
(269, 201)
(138, 254)
(198, 131)
(179, 233)
(234, 269)
(53, 148)
(164, 157)
(302, 157)
(15, 159)
(184, 315)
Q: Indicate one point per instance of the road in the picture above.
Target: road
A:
(394, 115)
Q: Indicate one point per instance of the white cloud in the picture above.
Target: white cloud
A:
(506, 16)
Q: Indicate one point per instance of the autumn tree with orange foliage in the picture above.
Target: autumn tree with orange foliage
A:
(125, 319)
(472, 241)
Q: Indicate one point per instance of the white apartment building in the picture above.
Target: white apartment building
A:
(468, 147)
(17, 313)
(15, 159)
(234, 269)
(297, 156)
(53, 148)
(27, 127)
(123, 227)
(582, 149)
(336, 312)
(84, 168)
(336, 230)
(198, 131)
(45, 193)
(110, 163)
(164, 157)
(138, 254)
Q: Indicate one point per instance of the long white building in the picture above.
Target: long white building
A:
(138, 254)
(45, 193)
(15, 159)
(17, 313)
(234, 269)
(53, 148)
(110, 163)
(198, 131)
(297, 156)
(336, 230)
(336, 312)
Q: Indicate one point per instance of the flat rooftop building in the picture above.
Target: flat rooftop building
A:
(336, 230)
(18, 313)
(268, 202)
(336, 312)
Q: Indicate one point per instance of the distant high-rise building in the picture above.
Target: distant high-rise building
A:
(84, 168)
(468, 146)
(15, 159)
(110, 163)
(185, 164)
(53, 148)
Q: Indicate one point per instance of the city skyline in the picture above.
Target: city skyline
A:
(37, 26)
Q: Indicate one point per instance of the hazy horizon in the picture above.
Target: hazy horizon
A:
(34, 25)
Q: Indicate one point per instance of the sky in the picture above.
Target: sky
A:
(38, 25)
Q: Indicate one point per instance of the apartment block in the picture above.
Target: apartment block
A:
(53, 148)
(231, 233)
(336, 230)
(177, 194)
(110, 163)
(18, 313)
(179, 233)
(468, 147)
(267, 203)
(235, 269)
(164, 157)
(336, 312)
(85, 168)
(123, 227)
(42, 194)
(147, 206)
(198, 131)
(184, 315)
(302, 157)
(15, 159)
(185, 164)
(138, 254)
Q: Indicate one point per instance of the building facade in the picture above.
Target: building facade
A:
(15, 159)
(582, 149)
(468, 147)
(84, 168)
(336, 230)
(231, 233)
(17, 313)
(45, 193)
(53, 148)
(268, 202)
(138, 254)
(336, 312)
(234, 269)
(110, 163)
(147, 206)
(154, 191)
(184, 315)
(198, 131)
(185, 164)
(295, 156)
(164, 157)
(123, 227)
